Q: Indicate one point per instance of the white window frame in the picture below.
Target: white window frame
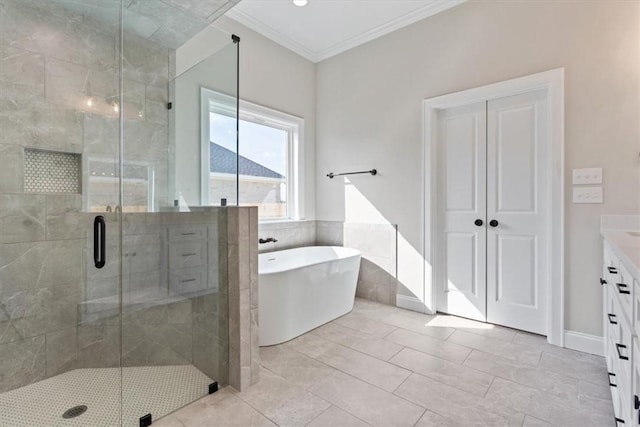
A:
(255, 113)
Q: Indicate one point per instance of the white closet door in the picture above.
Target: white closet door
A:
(462, 164)
(517, 247)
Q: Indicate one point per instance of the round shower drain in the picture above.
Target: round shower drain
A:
(75, 411)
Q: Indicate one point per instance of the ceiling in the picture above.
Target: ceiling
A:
(324, 28)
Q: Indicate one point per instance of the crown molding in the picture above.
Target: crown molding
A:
(436, 6)
(270, 33)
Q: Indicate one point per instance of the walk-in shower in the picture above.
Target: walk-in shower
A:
(113, 290)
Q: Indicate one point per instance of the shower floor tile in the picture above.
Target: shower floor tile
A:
(156, 390)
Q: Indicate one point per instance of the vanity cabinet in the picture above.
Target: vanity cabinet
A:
(621, 301)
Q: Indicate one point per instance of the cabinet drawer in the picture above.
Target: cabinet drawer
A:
(636, 306)
(187, 233)
(185, 255)
(187, 280)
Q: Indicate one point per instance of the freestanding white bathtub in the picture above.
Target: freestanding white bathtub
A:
(303, 288)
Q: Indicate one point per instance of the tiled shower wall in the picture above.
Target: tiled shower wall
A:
(52, 62)
(377, 242)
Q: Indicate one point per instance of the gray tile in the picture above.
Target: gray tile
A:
(221, 408)
(598, 391)
(64, 217)
(530, 421)
(283, 402)
(580, 367)
(485, 329)
(564, 412)
(523, 373)
(295, 367)
(61, 351)
(420, 323)
(464, 378)
(431, 419)
(458, 405)
(11, 173)
(365, 343)
(42, 127)
(382, 374)
(335, 416)
(364, 324)
(22, 362)
(368, 403)
(22, 218)
(426, 344)
(58, 35)
(500, 348)
(21, 78)
(81, 88)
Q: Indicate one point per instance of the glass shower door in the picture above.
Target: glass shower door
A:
(59, 151)
(174, 281)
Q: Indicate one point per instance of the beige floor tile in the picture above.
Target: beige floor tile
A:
(371, 404)
(309, 344)
(431, 419)
(530, 421)
(293, 366)
(336, 417)
(283, 402)
(460, 406)
(360, 341)
(377, 372)
(542, 405)
(168, 421)
(221, 408)
(500, 348)
(480, 328)
(420, 323)
(365, 324)
(522, 373)
(582, 368)
(446, 372)
(426, 344)
(598, 391)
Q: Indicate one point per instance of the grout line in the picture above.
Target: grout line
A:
(320, 414)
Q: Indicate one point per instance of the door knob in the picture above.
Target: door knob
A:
(493, 223)
(478, 222)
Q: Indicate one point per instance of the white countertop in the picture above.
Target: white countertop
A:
(623, 234)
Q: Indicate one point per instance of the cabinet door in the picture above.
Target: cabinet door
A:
(462, 171)
(635, 380)
(518, 272)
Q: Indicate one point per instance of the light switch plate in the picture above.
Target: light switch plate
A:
(587, 195)
(587, 176)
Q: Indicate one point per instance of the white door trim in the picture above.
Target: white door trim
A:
(553, 82)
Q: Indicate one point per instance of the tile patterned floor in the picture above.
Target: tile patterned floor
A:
(384, 366)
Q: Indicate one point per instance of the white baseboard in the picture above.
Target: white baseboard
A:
(409, 303)
(584, 342)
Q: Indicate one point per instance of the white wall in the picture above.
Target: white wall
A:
(270, 75)
(369, 114)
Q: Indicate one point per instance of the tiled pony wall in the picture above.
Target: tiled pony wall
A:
(377, 242)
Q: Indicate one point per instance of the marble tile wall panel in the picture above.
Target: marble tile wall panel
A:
(290, 234)
(22, 362)
(57, 32)
(61, 351)
(378, 242)
(44, 127)
(21, 78)
(99, 345)
(11, 172)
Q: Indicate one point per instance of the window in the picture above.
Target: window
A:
(268, 162)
